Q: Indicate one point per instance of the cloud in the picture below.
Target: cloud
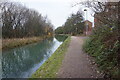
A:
(62, 1)
(43, 1)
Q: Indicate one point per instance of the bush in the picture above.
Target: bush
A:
(103, 44)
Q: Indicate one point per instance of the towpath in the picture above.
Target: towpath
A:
(76, 63)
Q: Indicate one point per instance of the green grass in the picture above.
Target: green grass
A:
(50, 68)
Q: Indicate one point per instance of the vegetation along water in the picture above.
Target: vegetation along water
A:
(23, 61)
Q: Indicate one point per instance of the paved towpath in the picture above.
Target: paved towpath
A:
(76, 63)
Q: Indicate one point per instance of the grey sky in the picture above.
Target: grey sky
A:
(56, 10)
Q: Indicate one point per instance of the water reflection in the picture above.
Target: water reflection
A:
(60, 38)
(22, 62)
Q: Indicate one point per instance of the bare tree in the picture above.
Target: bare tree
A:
(105, 12)
(19, 21)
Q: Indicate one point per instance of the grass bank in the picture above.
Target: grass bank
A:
(50, 68)
(16, 42)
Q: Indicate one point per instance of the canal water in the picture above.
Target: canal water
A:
(22, 62)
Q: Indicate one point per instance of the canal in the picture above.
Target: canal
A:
(22, 62)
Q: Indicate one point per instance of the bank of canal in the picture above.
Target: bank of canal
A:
(22, 62)
(18, 42)
(50, 68)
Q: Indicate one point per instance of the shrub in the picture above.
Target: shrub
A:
(103, 44)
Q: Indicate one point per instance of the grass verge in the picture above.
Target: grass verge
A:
(50, 68)
(16, 42)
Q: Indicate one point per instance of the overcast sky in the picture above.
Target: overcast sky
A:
(56, 10)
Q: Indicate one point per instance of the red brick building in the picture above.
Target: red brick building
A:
(88, 27)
